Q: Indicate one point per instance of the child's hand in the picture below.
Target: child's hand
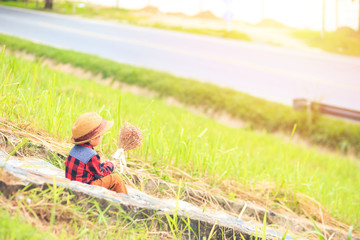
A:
(115, 164)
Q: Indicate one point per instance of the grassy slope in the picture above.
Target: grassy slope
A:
(30, 93)
(15, 227)
(56, 214)
(258, 113)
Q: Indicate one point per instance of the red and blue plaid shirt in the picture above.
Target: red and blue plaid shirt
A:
(77, 170)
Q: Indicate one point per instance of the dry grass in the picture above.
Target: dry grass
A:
(37, 136)
(38, 212)
(264, 194)
(70, 218)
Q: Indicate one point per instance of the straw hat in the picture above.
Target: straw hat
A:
(88, 127)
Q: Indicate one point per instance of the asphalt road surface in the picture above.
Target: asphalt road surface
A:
(269, 72)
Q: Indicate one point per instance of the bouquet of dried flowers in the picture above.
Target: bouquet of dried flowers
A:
(130, 138)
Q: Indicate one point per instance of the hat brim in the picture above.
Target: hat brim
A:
(107, 127)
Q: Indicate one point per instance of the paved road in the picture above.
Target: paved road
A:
(270, 72)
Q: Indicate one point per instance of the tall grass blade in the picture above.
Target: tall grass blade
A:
(17, 147)
(264, 227)
(349, 237)
(212, 233)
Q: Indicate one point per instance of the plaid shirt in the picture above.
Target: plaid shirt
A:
(86, 173)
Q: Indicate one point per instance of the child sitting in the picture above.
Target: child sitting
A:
(83, 163)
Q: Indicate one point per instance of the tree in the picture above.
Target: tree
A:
(48, 4)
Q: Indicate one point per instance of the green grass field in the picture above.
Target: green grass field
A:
(255, 112)
(51, 100)
(15, 227)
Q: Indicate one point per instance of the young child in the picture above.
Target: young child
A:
(83, 163)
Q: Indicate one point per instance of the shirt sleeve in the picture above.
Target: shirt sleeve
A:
(99, 169)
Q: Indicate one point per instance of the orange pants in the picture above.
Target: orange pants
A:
(112, 182)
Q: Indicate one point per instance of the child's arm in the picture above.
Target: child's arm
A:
(99, 169)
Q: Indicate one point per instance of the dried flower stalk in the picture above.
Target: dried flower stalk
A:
(130, 137)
